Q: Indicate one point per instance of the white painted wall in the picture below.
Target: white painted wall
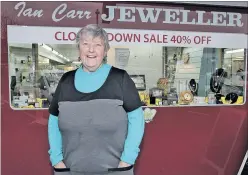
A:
(143, 59)
(192, 69)
(186, 72)
(148, 60)
(15, 57)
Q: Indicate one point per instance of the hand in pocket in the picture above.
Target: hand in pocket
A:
(60, 165)
(60, 169)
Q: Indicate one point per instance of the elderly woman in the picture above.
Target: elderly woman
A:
(96, 122)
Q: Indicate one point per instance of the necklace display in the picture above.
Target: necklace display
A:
(193, 86)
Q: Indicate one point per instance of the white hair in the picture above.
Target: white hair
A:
(95, 31)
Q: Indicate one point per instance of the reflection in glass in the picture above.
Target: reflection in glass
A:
(164, 76)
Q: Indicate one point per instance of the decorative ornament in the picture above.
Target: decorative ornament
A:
(186, 58)
(163, 84)
(149, 114)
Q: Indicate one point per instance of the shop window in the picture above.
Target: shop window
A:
(164, 75)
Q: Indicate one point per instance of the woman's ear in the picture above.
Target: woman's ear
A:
(105, 58)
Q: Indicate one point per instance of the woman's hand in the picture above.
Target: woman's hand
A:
(123, 164)
(60, 165)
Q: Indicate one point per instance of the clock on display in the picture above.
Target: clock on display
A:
(186, 97)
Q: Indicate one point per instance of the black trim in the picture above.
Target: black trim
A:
(188, 6)
(61, 169)
(191, 6)
(120, 169)
(109, 170)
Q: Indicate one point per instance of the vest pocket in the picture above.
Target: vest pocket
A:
(120, 169)
(62, 171)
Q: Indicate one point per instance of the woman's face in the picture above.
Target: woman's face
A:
(91, 52)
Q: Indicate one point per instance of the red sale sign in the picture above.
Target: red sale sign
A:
(67, 35)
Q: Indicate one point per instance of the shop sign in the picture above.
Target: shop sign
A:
(123, 15)
(147, 15)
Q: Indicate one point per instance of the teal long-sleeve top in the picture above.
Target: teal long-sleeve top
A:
(88, 82)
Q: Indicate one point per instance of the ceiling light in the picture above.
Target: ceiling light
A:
(55, 52)
(46, 47)
(235, 51)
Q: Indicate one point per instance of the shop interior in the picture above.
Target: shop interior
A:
(164, 76)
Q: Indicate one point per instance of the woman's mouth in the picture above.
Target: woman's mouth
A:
(91, 56)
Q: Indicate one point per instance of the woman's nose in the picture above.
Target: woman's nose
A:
(91, 48)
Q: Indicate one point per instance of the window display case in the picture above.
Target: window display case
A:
(164, 75)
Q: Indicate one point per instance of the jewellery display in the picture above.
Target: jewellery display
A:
(193, 86)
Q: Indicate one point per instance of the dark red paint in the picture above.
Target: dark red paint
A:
(180, 141)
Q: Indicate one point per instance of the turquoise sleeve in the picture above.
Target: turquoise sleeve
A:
(136, 126)
(55, 140)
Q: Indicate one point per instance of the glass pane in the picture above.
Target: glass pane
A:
(164, 74)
